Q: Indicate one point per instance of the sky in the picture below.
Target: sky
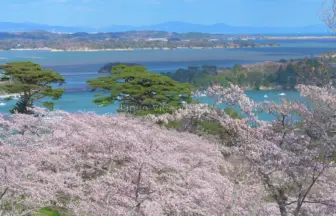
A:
(103, 13)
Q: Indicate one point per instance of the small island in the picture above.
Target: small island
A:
(108, 67)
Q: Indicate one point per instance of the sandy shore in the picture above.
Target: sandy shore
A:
(298, 37)
(89, 50)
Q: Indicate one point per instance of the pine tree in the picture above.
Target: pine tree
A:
(140, 91)
(33, 83)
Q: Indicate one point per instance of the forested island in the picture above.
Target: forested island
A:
(284, 74)
(40, 40)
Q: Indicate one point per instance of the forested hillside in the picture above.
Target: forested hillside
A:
(283, 74)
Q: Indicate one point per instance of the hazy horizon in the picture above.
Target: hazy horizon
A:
(103, 13)
(166, 22)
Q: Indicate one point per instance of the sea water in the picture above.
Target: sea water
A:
(81, 101)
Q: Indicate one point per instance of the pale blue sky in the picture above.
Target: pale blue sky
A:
(99, 13)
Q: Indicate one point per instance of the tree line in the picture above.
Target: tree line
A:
(116, 43)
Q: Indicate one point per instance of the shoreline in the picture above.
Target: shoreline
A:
(132, 49)
(297, 37)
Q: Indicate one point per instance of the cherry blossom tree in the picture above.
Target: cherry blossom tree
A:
(294, 154)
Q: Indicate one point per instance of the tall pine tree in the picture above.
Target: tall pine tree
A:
(139, 91)
(33, 84)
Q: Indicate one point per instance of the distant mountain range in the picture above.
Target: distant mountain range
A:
(178, 27)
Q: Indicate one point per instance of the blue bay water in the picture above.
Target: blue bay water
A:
(77, 67)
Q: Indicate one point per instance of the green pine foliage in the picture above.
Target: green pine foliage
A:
(19, 107)
(200, 77)
(140, 92)
(233, 113)
(287, 77)
(33, 83)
